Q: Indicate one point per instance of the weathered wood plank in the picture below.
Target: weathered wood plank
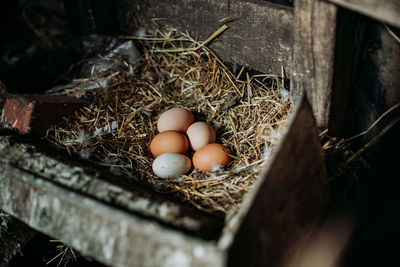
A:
(387, 11)
(259, 35)
(287, 202)
(95, 229)
(313, 55)
(95, 184)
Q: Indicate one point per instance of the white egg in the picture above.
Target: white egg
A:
(169, 165)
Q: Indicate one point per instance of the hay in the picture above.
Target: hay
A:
(66, 254)
(175, 70)
(344, 162)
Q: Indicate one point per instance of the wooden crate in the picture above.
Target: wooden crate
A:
(125, 225)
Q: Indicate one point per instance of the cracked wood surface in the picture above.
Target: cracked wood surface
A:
(313, 55)
(96, 229)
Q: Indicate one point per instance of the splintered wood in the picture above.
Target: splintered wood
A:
(115, 130)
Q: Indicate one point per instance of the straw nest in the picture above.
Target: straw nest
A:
(175, 70)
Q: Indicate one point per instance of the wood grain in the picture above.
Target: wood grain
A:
(96, 229)
(259, 35)
(313, 55)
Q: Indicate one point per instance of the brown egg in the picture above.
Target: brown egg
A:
(211, 157)
(169, 141)
(176, 119)
(200, 134)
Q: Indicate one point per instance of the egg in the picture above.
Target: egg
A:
(176, 119)
(169, 165)
(169, 141)
(211, 157)
(200, 134)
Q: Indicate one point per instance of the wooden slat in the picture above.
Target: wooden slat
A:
(387, 11)
(111, 236)
(313, 55)
(287, 201)
(110, 190)
(259, 35)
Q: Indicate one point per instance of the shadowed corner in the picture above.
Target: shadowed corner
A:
(326, 245)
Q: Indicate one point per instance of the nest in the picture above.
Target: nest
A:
(174, 70)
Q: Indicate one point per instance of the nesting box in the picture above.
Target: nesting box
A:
(124, 224)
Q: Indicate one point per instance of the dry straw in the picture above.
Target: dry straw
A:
(65, 255)
(175, 70)
(343, 161)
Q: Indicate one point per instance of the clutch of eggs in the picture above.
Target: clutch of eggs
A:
(170, 145)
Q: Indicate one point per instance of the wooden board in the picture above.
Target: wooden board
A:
(387, 11)
(96, 229)
(313, 55)
(286, 204)
(259, 35)
(106, 188)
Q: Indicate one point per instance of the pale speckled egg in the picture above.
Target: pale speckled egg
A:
(211, 157)
(169, 141)
(169, 165)
(176, 119)
(200, 134)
